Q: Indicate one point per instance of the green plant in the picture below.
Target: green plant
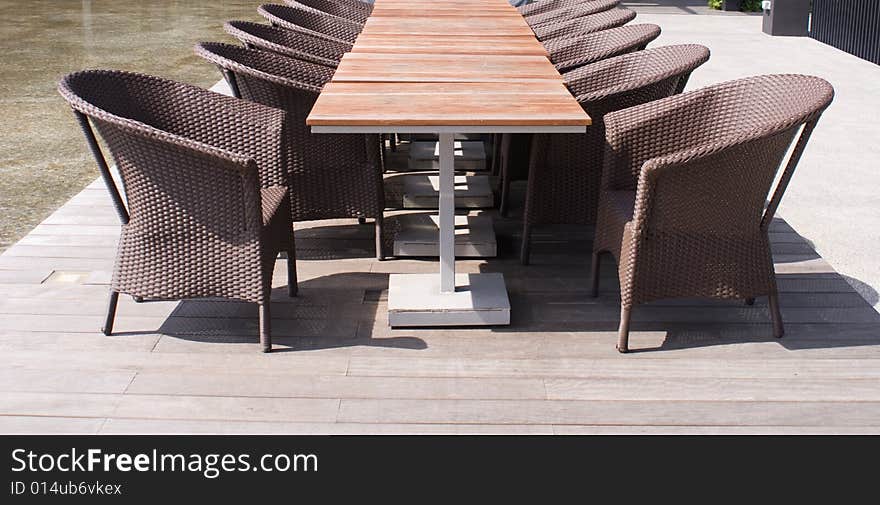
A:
(746, 6)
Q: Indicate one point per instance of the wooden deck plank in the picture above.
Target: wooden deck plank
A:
(689, 413)
(38, 425)
(765, 390)
(283, 386)
(695, 368)
(116, 426)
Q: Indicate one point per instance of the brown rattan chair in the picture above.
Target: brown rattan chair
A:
(585, 24)
(565, 169)
(335, 8)
(298, 45)
(206, 208)
(684, 203)
(310, 21)
(568, 13)
(331, 175)
(513, 149)
(542, 6)
(568, 54)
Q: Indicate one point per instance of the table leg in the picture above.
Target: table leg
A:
(433, 300)
(447, 213)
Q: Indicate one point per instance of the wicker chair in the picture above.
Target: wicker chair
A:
(331, 176)
(683, 206)
(513, 149)
(585, 24)
(297, 45)
(207, 204)
(563, 14)
(543, 6)
(311, 21)
(568, 54)
(341, 10)
(565, 169)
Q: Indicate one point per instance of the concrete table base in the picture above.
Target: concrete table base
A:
(417, 300)
(470, 155)
(471, 192)
(419, 235)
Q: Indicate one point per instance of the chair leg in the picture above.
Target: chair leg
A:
(750, 301)
(380, 248)
(524, 252)
(776, 315)
(504, 206)
(292, 283)
(265, 327)
(623, 330)
(392, 141)
(504, 173)
(594, 273)
(496, 148)
(362, 220)
(107, 329)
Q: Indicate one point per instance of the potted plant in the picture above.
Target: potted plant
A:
(736, 5)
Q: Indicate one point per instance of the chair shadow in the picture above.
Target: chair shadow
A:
(330, 312)
(334, 241)
(821, 308)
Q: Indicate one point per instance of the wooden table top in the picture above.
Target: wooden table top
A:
(540, 103)
(383, 9)
(439, 44)
(419, 65)
(449, 25)
(375, 67)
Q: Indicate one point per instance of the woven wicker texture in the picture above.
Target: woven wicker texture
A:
(568, 54)
(572, 12)
(310, 21)
(289, 43)
(331, 175)
(341, 10)
(204, 182)
(583, 25)
(565, 169)
(683, 206)
(550, 5)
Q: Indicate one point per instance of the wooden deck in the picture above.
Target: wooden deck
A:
(195, 366)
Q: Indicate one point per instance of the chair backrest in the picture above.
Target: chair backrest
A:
(713, 164)
(311, 21)
(563, 14)
(298, 45)
(293, 86)
(569, 54)
(160, 135)
(634, 78)
(585, 24)
(334, 8)
(550, 5)
(603, 87)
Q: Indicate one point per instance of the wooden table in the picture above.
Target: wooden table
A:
(461, 66)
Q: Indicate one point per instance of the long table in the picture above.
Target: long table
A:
(461, 66)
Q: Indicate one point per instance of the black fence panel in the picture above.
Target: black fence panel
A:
(850, 25)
